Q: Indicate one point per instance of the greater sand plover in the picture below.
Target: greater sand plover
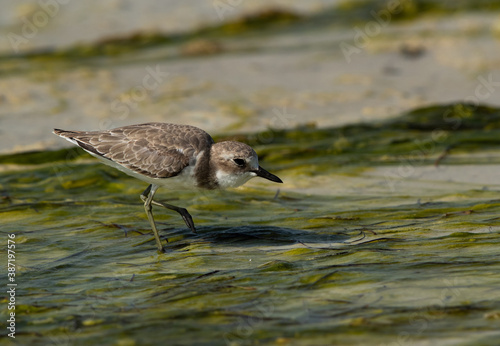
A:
(175, 156)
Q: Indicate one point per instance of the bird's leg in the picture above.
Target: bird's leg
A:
(182, 211)
(147, 197)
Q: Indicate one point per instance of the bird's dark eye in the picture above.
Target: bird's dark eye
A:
(239, 162)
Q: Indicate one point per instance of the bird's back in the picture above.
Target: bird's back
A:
(156, 150)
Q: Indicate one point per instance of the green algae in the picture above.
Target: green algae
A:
(419, 137)
(411, 9)
(39, 157)
(264, 21)
(255, 22)
(266, 267)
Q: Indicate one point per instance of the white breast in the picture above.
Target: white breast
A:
(228, 180)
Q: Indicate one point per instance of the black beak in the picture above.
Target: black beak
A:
(261, 172)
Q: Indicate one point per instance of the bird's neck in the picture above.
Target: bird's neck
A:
(204, 172)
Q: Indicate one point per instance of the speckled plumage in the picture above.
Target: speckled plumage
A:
(175, 156)
(156, 150)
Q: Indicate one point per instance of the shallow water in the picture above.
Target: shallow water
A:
(356, 248)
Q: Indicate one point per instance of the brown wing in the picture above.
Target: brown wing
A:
(157, 150)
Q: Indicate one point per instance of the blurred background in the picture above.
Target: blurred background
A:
(236, 66)
(381, 116)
